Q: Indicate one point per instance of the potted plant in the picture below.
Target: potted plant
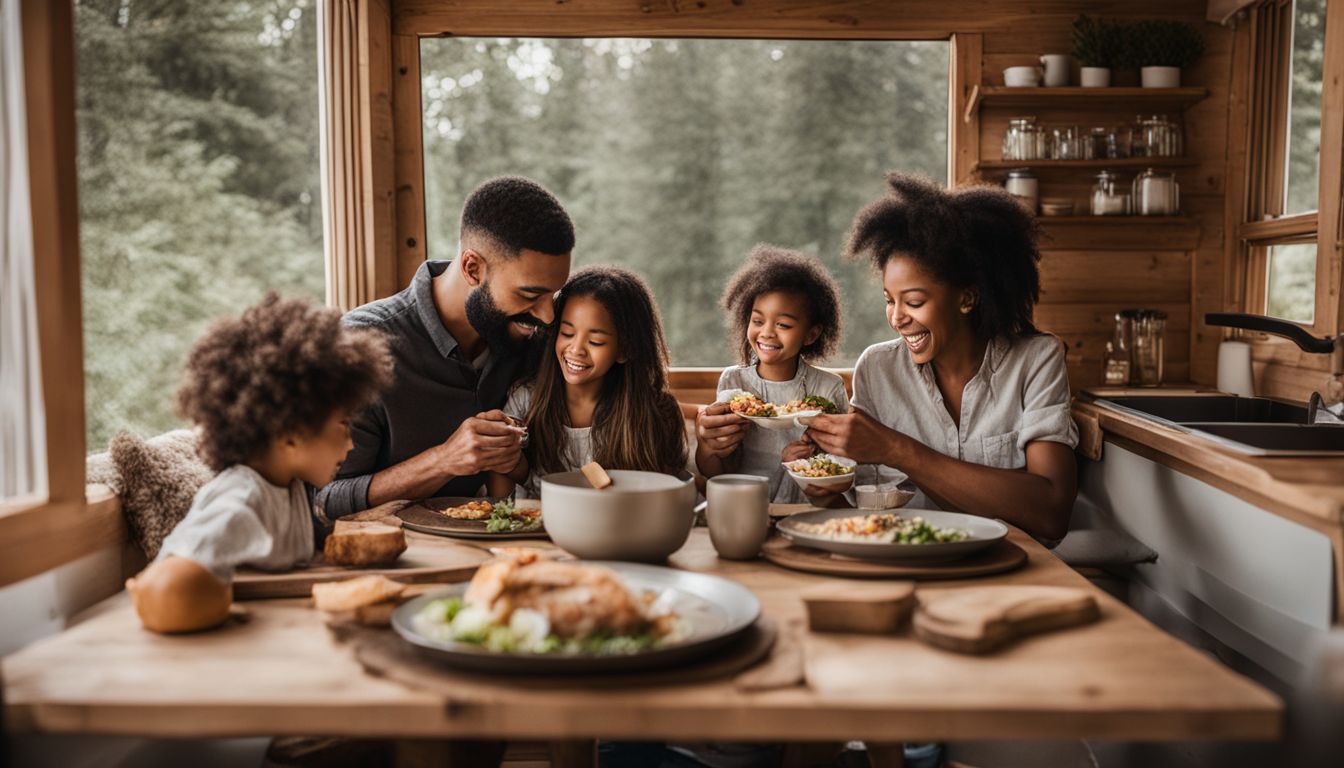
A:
(1097, 46)
(1160, 49)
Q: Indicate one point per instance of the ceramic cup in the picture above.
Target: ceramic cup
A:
(738, 515)
(1018, 77)
(1056, 69)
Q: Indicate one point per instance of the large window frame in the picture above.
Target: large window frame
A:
(72, 520)
(1260, 221)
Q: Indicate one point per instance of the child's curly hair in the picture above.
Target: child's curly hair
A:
(768, 269)
(975, 236)
(281, 369)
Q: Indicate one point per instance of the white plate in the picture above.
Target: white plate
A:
(983, 532)
(787, 421)
(717, 609)
(832, 483)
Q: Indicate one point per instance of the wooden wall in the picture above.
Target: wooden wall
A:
(1090, 270)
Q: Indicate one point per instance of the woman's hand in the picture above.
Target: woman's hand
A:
(719, 431)
(854, 435)
(798, 449)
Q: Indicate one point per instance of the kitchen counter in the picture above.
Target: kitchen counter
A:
(1308, 491)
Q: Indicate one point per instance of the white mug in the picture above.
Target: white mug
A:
(1056, 69)
(738, 514)
(1018, 77)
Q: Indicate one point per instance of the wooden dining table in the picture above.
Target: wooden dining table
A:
(283, 672)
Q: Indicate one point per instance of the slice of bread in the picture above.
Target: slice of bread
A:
(348, 595)
(364, 544)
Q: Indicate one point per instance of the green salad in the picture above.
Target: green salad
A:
(451, 619)
(507, 518)
(919, 531)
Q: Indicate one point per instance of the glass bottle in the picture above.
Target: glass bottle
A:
(1107, 197)
(1117, 358)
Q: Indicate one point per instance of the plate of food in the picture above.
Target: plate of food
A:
(834, 473)
(475, 518)
(775, 415)
(529, 615)
(910, 534)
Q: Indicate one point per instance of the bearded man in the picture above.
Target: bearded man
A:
(462, 333)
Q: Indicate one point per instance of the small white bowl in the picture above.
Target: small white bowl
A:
(883, 497)
(832, 483)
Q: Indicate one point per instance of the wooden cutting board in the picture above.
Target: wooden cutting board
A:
(983, 619)
(426, 559)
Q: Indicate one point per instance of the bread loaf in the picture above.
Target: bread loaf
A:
(364, 544)
(351, 594)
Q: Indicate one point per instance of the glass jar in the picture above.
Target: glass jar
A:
(1025, 140)
(1144, 330)
(1108, 196)
(1022, 184)
(1156, 136)
(1156, 193)
(1072, 144)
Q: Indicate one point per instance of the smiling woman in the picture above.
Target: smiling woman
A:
(971, 393)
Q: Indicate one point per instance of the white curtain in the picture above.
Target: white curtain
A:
(23, 448)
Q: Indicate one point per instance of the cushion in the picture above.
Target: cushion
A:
(1101, 548)
(156, 480)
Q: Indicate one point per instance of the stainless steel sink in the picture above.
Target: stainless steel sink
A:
(1259, 426)
(1277, 439)
(1182, 409)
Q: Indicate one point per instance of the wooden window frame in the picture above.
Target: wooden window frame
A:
(1261, 223)
(68, 521)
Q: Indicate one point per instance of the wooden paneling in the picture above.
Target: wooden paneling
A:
(409, 245)
(40, 537)
(1139, 278)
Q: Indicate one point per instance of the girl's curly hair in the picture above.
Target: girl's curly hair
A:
(768, 269)
(282, 368)
(972, 237)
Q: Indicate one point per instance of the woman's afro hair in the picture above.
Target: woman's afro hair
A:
(768, 269)
(976, 236)
(282, 368)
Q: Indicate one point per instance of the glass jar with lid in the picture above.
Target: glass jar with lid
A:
(1025, 139)
(1156, 136)
(1022, 184)
(1109, 197)
(1156, 193)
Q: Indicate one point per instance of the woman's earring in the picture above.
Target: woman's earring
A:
(966, 309)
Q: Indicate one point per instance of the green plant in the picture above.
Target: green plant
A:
(1162, 43)
(1097, 42)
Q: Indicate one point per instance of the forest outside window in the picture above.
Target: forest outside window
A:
(675, 156)
(1282, 222)
(198, 170)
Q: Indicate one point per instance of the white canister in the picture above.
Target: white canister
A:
(1056, 69)
(1234, 368)
(1160, 77)
(1023, 185)
(1094, 77)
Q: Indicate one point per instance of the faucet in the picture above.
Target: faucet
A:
(1321, 409)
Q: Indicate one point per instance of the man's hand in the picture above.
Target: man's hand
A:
(486, 441)
(798, 449)
(719, 431)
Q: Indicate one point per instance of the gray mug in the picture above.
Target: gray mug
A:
(738, 515)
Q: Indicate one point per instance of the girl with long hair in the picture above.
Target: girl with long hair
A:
(601, 394)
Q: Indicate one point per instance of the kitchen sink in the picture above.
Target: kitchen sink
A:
(1207, 408)
(1260, 426)
(1276, 439)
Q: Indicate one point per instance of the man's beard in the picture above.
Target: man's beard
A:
(493, 325)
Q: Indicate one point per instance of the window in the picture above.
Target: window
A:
(675, 156)
(1282, 223)
(198, 167)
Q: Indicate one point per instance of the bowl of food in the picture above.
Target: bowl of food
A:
(641, 516)
(834, 473)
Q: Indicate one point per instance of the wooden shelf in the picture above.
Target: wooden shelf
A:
(1165, 233)
(1108, 99)
(1130, 163)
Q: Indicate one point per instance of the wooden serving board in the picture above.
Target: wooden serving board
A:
(983, 619)
(1002, 556)
(426, 559)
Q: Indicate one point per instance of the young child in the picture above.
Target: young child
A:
(781, 307)
(602, 394)
(271, 393)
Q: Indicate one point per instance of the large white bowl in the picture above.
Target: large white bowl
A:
(641, 516)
